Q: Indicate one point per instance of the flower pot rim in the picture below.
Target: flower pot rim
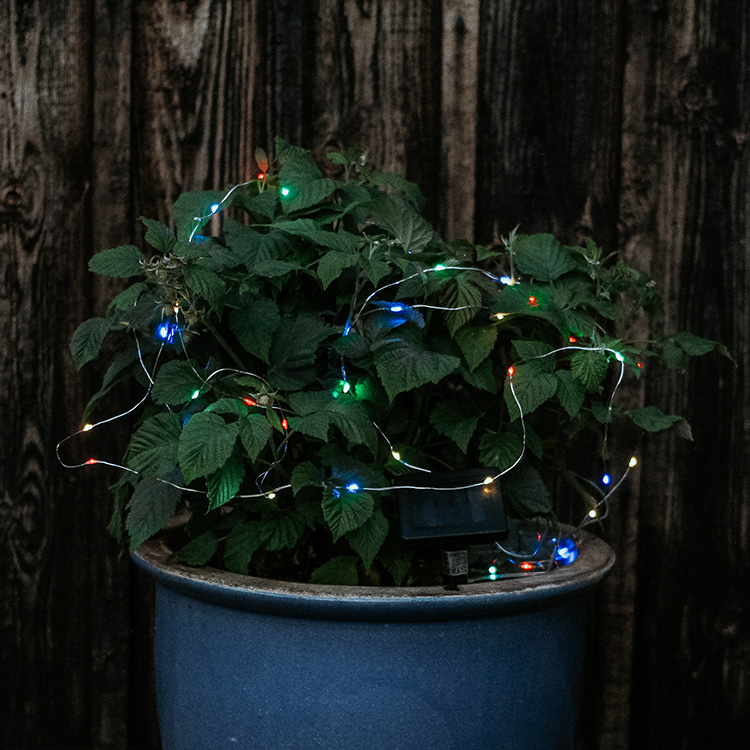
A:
(417, 603)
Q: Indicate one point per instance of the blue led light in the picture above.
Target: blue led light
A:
(506, 280)
(215, 207)
(396, 308)
(352, 487)
(167, 331)
(566, 553)
(606, 479)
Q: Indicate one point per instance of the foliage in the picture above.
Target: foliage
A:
(324, 338)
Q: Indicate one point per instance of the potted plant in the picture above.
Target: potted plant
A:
(304, 344)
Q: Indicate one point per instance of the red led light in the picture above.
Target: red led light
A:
(285, 424)
(526, 566)
(91, 461)
(261, 176)
(249, 402)
(572, 339)
(532, 301)
(639, 364)
(511, 370)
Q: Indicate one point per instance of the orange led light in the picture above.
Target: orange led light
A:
(249, 402)
(285, 424)
(526, 566)
(511, 370)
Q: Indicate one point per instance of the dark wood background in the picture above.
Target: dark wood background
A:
(624, 120)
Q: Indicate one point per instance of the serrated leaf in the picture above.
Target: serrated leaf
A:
(207, 284)
(228, 406)
(532, 388)
(272, 269)
(87, 340)
(306, 474)
(119, 262)
(675, 357)
(570, 392)
(192, 210)
(175, 383)
(367, 540)
(313, 425)
(455, 420)
(126, 300)
(464, 295)
(603, 413)
(500, 450)
(332, 264)
(405, 366)
(542, 257)
(150, 509)
(200, 550)
(293, 351)
(205, 445)
(225, 483)
(589, 368)
(282, 529)
(526, 493)
(243, 541)
(346, 511)
(535, 352)
(340, 571)
(153, 448)
(255, 325)
(652, 419)
(694, 345)
(476, 343)
(399, 219)
(158, 235)
(254, 434)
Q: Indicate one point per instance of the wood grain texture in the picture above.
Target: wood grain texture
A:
(375, 84)
(685, 196)
(624, 120)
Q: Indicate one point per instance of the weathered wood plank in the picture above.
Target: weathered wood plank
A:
(198, 71)
(458, 116)
(548, 117)
(375, 83)
(684, 214)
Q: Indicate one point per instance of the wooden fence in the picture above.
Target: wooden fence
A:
(624, 120)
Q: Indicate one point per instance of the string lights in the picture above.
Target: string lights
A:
(170, 330)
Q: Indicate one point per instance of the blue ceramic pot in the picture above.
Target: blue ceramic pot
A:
(248, 663)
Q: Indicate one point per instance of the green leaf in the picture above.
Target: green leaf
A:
(87, 340)
(526, 493)
(675, 357)
(150, 509)
(254, 434)
(175, 383)
(399, 219)
(332, 264)
(190, 207)
(570, 392)
(200, 550)
(158, 235)
(532, 388)
(306, 474)
(228, 406)
(255, 325)
(272, 269)
(341, 571)
(367, 540)
(464, 294)
(476, 343)
(652, 419)
(314, 425)
(589, 368)
(500, 450)
(405, 366)
(306, 195)
(123, 303)
(119, 262)
(225, 483)
(541, 256)
(535, 352)
(205, 445)
(346, 511)
(455, 420)
(243, 541)
(693, 345)
(153, 448)
(293, 351)
(207, 284)
(282, 529)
